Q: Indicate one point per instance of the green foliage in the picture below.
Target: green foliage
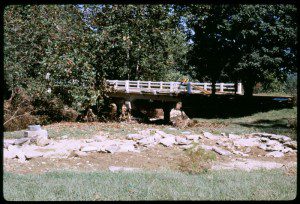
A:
(52, 41)
(199, 160)
(137, 42)
(243, 42)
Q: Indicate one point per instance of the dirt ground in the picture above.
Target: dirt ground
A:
(155, 158)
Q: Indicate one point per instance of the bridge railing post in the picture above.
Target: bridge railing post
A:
(239, 88)
(189, 87)
(160, 85)
(149, 85)
(171, 87)
(221, 87)
(138, 84)
(127, 86)
(116, 84)
(205, 86)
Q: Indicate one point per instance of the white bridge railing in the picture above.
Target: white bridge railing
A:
(170, 87)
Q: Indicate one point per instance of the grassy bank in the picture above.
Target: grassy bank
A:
(219, 185)
(276, 121)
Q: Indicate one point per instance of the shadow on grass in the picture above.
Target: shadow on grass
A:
(279, 126)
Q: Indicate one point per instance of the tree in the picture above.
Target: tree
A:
(209, 54)
(137, 42)
(263, 43)
(52, 41)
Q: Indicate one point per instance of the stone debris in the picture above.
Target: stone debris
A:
(233, 136)
(210, 136)
(21, 141)
(240, 153)
(168, 141)
(221, 151)
(206, 147)
(248, 142)
(195, 138)
(121, 168)
(89, 149)
(37, 144)
(247, 165)
(33, 154)
(275, 154)
(99, 138)
(9, 154)
(182, 141)
(291, 144)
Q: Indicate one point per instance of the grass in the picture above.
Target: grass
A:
(167, 185)
(199, 160)
(276, 121)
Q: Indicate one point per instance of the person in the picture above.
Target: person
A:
(183, 83)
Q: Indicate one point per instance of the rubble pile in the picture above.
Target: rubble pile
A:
(36, 143)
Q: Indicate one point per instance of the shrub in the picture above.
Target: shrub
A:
(199, 160)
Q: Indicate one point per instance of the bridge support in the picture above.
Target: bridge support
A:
(167, 109)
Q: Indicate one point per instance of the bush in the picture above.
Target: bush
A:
(199, 160)
(18, 111)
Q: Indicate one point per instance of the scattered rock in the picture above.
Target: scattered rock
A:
(186, 132)
(250, 142)
(100, 138)
(275, 154)
(9, 154)
(221, 151)
(89, 149)
(21, 156)
(76, 153)
(121, 168)
(35, 134)
(59, 153)
(135, 136)
(182, 141)
(247, 165)
(287, 150)
(240, 153)
(88, 140)
(32, 154)
(206, 147)
(210, 136)
(233, 136)
(148, 141)
(112, 148)
(195, 138)
(168, 141)
(291, 144)
(186, 146)
(21, 141)
(126, 148)
(42, 141)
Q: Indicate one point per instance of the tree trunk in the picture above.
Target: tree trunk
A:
(235, 86)
(213, 87)
(248, 88)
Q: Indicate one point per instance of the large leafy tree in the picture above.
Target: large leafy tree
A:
(248, 43)
(209, 54)
(53, 42)
(137, 42)
(264, 43)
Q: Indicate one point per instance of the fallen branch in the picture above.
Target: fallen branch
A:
(12, 118)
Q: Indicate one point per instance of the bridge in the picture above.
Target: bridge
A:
(164, 95)
(173, 88)
(196, 98)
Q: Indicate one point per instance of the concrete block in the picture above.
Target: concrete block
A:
(34, 127)
(35, 134)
